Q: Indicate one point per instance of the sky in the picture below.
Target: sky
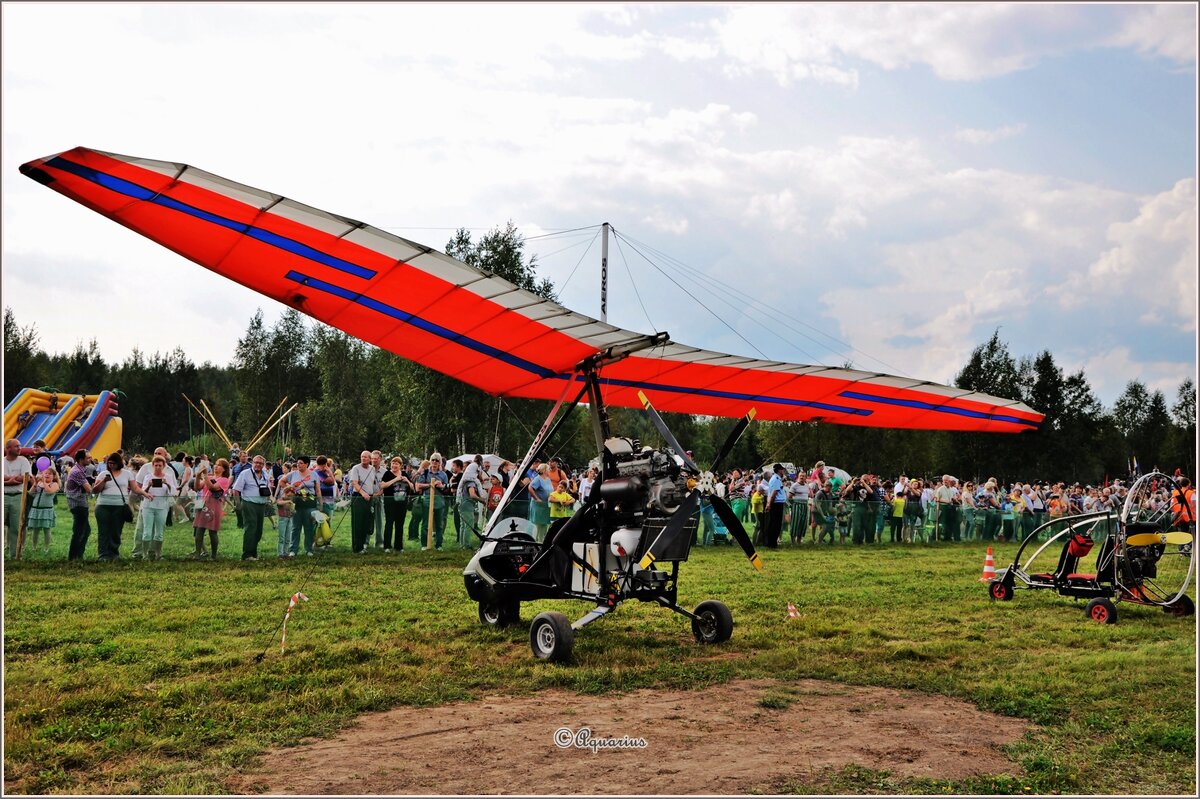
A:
(884, 184)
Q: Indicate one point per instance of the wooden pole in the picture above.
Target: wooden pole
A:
(210, 422)
(256, 441)
(268, 419)
(25, 504)
(221, 430)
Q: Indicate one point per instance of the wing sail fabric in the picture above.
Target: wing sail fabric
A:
(428, 307)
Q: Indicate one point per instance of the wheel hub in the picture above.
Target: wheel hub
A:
(545, 638)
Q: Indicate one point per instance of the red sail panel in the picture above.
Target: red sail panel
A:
(425, 306)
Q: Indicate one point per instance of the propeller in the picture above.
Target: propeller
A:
(703, 489)
(665, 432)
(1149, 539)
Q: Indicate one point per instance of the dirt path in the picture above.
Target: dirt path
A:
(717, 741)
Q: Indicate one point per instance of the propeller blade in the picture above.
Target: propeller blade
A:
(1149, 539)
(665, 432)
(734, 525)
(734, 435)
(687, 509)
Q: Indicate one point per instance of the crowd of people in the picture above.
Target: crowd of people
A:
(819, 504)
(391, 501)
(298, 494)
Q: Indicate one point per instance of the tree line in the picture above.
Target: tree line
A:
(351, 395)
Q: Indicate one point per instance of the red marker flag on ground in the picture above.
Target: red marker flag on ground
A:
(792, 612)
(296, 599)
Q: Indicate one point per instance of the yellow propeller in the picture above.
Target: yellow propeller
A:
(1149, 539)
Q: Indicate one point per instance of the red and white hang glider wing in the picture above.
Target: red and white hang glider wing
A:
(426, 306)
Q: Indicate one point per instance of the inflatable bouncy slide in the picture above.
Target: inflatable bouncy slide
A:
(66, 422)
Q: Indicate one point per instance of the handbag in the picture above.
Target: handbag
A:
(126, 511)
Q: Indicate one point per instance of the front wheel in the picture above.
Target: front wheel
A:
(998, 590)
(713, 623)
(1102, 611)
(551, 637)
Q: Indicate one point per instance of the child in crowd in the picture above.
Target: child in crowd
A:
(41, 510)
(284, 494)
(897, 519)
(758, 502)
(841, 514)
(561, 501)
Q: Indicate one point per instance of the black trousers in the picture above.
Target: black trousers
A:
(109, 522)
(774, 526)
(394, 512)
(360, 523)
(81, 531)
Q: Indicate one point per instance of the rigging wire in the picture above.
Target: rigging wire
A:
(777, 311)
(702, 280)
(577, 263)
(778, 316)
(561, 232)
(636, 293)
(697, 300)
(553, 231)
(528, 432)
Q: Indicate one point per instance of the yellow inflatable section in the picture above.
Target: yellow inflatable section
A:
(60, 420)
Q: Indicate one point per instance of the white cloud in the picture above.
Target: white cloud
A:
(665, 221)
(1161, 29)
(960, 42)
(1151, 265)
(978, 136)
(1110, 370)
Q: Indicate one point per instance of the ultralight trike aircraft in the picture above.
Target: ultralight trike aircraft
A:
(1140, 559)
(479, 328)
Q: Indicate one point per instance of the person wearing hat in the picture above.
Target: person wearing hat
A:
(776, 500)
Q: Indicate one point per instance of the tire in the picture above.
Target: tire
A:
(1102, 611)
(998, 590)
(1184, 606)
(551, 637)
(713, 623)
(500, 614)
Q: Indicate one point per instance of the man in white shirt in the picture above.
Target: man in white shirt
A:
(776, 499)
(255, 487)
(16, 472)
(365, 482)
(946, 496)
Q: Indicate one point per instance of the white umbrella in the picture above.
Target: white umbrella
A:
(491, 463)
(842, 473)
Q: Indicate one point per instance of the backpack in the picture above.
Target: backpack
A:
(494, 496)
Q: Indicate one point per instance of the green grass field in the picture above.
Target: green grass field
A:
(141, 677)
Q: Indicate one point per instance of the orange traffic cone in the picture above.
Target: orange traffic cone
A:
(792, 612)
(989, 568)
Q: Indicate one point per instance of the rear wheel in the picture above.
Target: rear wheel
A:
(1184, 606)
(998, 590)
(1102, 611)
(713, 623)
(500, 614)
(551, 637)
